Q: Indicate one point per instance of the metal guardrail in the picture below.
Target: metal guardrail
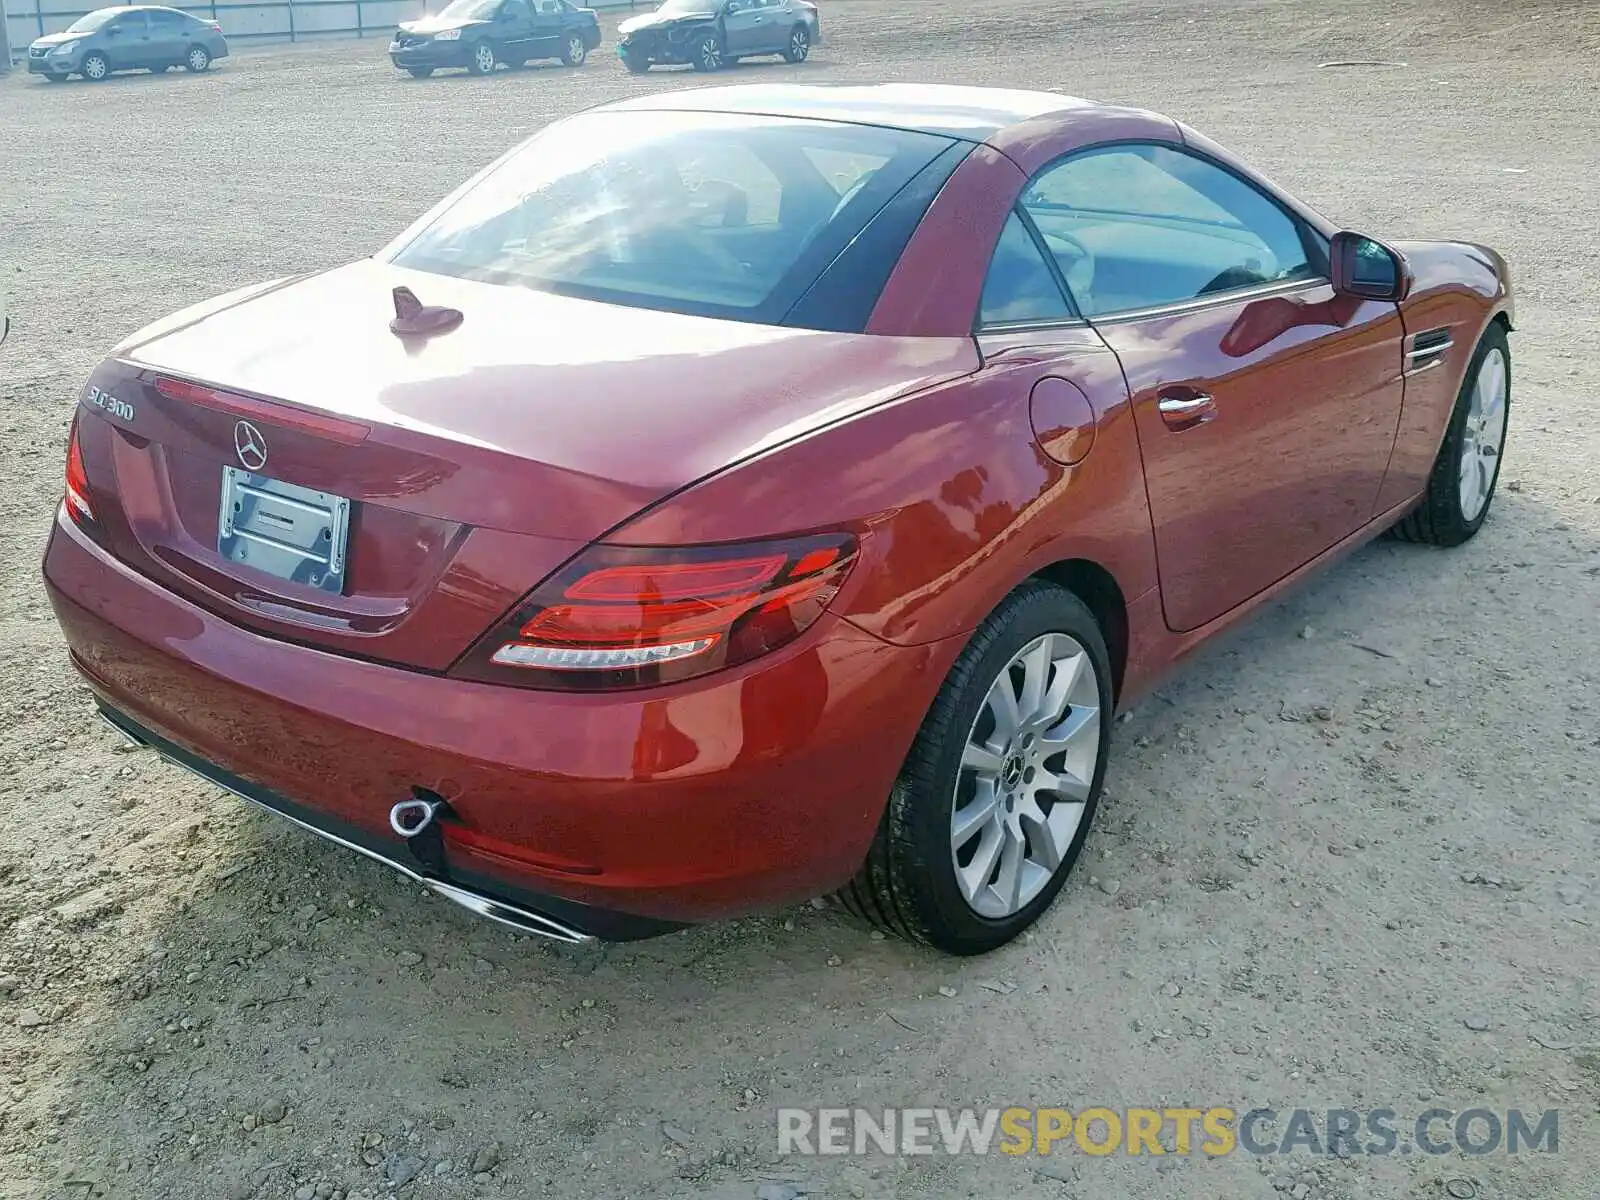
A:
(245, 21)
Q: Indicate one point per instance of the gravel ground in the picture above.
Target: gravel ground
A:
(1348, 856)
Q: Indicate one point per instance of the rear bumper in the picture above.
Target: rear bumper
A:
(543, 916)
(743, 790)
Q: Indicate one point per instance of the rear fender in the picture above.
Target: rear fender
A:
(951, 494)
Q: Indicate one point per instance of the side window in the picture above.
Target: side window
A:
(1019, 286)
(1138, 226)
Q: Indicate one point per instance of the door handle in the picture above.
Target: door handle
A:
(1183, 408)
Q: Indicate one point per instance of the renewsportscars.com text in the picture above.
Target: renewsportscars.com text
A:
(1215, 1131)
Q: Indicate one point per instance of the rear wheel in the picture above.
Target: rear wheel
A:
(996, 797)
(636, 63)
(799, 47)
(95, 66)
(573, 52)
(420, 72)
(482, 60)
(1464, 475)
(708, 53)
(198, 60)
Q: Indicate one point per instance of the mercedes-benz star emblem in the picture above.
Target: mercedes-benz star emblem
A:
(250, 445)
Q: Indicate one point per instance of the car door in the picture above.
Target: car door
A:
(743, 27)
(127, 41)
(512, 31)
(544, 24)
(776, 21)
(1266, 405)
(169, 35)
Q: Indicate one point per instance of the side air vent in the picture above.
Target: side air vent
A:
(1428, 350)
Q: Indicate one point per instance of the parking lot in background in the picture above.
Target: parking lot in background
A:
(1347, 859)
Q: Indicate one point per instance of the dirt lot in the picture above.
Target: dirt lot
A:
(1348, 857)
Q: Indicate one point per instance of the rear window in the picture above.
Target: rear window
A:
(712, 214)
(93, 21)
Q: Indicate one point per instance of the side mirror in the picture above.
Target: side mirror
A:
(1365, 267)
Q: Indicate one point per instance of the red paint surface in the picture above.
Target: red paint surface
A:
(494, 454)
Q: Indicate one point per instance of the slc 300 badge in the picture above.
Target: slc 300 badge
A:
(120, 409)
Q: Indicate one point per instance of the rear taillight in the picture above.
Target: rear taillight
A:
(77, 494)
(216, 28)
(620, 616)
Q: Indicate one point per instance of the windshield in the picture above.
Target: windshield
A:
(470, 10)
(93, 21)
(688, 6)
(717, 214)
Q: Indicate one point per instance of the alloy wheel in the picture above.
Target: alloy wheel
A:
(484, 57)
(1026, 773)
(799, 46)
(711, 55)
(94, 67)
(1483, 435)
(575, 50)
(199, 60)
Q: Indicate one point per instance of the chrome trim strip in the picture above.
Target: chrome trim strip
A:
(1438, 362)
(1203, 302)
(1431, 349)
(497, 911)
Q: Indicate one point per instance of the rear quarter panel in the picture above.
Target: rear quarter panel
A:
(1459, 287)
(954, 499)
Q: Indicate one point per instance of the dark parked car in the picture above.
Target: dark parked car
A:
(478, 34)
(710, 35)
(123, 39)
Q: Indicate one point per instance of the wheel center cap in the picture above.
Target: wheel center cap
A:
(1011, 772)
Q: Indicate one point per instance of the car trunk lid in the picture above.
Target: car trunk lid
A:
(470, 465)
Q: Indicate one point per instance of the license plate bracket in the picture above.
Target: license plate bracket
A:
(283, 530)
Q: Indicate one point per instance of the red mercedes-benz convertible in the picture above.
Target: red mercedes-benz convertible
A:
(737, 494)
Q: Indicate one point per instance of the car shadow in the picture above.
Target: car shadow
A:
(295, 1013)
(122, 78)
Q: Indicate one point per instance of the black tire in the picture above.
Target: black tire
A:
(636, 63)
(1439, 520)
(708, 53)
(573, 50)
(197, 61)
(799, 47)
(56, 78)
(420, 72)
(907, 886)
(95, 66)
(161, 69)
(480, 63)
